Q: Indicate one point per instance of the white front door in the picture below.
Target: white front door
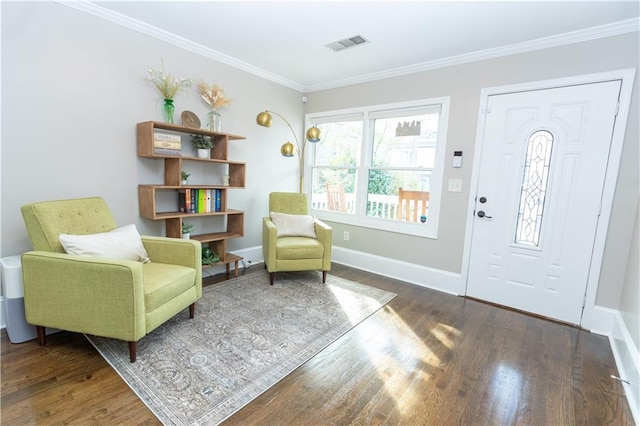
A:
(542, 169)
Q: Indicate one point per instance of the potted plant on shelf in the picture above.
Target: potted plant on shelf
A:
(209, 257)
(186, 230)
(203, 144)
(184, 176)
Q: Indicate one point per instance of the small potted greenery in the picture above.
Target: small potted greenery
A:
(209, 257)
(184, 176)
(186, 230)
(202, 144)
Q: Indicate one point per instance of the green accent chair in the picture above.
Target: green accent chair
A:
(295, 253)
(120, 299)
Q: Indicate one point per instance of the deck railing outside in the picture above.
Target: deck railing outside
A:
(382, 206)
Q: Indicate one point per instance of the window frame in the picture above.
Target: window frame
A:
(368, 114)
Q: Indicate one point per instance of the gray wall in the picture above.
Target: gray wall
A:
(73, 90)
(463, 83)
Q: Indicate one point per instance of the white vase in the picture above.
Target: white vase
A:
(203, 153)
(186, 236)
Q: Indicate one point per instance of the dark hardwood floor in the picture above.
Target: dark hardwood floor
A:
(426, 358)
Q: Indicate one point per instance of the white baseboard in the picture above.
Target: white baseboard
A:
(627, 360)
(436, 279)
(608, 322)
(599, 320)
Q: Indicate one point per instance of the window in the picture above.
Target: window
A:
(534, 188)
(380, 166)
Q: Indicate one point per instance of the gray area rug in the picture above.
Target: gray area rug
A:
(245, 337)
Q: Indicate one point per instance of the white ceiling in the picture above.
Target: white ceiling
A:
(284, 41)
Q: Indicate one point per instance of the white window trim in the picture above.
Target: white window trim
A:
(427, 230)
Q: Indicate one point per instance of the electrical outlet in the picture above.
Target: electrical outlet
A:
(345, 236)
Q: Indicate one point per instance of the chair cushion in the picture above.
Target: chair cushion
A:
(122, 243)
(292, 248)
(163, 282)
(293, 225)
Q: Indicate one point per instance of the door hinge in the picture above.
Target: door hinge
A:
(584, 300)
(617, 109)
(599, 208)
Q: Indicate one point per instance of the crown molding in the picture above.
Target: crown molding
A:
(181, 42)
(602, 31)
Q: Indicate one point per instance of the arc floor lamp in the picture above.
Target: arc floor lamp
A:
(287, 149)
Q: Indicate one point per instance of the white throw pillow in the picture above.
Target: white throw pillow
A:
(294, 225)
(121, 243)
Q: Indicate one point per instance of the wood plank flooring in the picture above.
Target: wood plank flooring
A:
(426, 358)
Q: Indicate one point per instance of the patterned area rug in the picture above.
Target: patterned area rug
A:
(246, 336)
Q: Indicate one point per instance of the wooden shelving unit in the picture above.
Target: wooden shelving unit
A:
(148, 194)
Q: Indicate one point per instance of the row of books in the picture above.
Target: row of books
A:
(166, 144)
(199, 200)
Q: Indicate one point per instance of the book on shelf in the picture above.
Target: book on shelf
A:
(166, 137)
(218, 200)
(182, 201)
(202, 201)
(194, 201)
(168, 152)
(207, 205)
(167, 145)
(187, 203)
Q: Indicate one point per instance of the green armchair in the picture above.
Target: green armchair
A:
(295, 253)
(120, 299)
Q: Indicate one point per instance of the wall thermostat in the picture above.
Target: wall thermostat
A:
(457, 158)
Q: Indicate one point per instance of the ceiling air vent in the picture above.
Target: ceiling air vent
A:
(339, 45)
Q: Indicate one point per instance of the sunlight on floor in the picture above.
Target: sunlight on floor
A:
(351, 302)
(506, 387)
(402, 359)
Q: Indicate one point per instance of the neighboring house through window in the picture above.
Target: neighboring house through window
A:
(380, 166)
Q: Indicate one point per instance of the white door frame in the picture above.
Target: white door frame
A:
(590, 316)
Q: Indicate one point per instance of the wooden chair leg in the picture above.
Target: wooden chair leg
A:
(192, 310)
(42, 335)
(324, 277)
(272, 276)
(133, 346)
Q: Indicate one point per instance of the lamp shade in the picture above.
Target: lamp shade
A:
(313, 134)
(264, 119)
(287, 149)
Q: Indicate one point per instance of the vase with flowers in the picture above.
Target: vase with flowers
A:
(214, 96)
(168, 86)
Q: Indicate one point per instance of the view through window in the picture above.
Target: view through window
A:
(381, 166)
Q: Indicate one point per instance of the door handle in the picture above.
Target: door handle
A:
(481, 213)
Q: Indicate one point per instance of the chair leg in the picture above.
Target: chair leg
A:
(192, 310)
(133, 347)
(324, 277)
(42, 335)
(272, 276)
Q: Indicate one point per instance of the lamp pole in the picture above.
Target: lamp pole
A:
(264, 119)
